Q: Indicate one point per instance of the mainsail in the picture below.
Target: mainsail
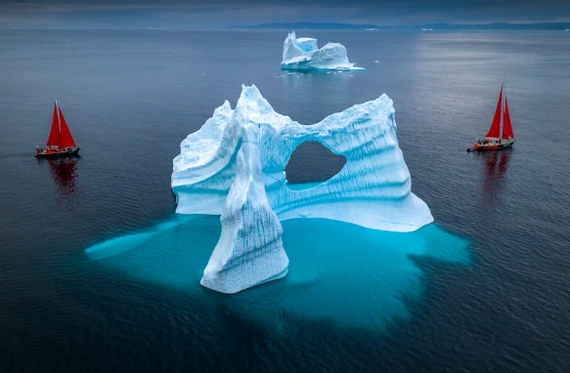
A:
(495, 129)
(59, 135)
(53, 139)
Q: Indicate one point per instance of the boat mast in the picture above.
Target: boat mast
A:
(59, 122)
(502, 111)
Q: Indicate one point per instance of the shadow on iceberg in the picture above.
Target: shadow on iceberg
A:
(339, 273)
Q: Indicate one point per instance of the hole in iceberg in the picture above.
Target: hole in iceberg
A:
(312, 163)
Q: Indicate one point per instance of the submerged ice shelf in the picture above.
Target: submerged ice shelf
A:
(304, 54)
(234, 167)
(341, 274)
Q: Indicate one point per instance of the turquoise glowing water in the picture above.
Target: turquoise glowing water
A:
(348, 275)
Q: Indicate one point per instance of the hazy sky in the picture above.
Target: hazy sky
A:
(203, 14)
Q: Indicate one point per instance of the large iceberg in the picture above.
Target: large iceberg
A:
(234, 167)
(304, 54)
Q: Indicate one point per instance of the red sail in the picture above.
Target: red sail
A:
(507, 128)
(496, 125)
(66, 140)
(53, 139)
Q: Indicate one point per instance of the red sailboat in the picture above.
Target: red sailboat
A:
(500, 134)
(60, 142)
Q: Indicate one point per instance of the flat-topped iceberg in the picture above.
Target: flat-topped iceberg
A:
(304, 54)
(234, 167)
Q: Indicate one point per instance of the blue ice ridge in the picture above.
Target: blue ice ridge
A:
(234, 167)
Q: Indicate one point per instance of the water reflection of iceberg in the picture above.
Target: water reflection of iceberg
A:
(345, 274)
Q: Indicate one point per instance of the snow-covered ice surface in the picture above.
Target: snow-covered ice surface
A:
(304, 54)
(234, 167)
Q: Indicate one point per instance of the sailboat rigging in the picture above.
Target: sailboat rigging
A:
(60, 142)
(500, 135)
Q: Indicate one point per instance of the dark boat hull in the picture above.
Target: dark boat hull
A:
(64, 153)
(478, 147)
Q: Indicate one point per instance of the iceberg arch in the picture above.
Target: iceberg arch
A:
(310, 164)
(234, 167)
(304, 54)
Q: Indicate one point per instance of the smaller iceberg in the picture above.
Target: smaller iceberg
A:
(304, 54)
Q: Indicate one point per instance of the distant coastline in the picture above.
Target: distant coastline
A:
(307, 25)
(563, 26)
(290, 26)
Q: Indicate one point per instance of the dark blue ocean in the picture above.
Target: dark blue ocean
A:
(485, 288)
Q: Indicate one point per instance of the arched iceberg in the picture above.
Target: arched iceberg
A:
(234, 167)
(304, 54)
